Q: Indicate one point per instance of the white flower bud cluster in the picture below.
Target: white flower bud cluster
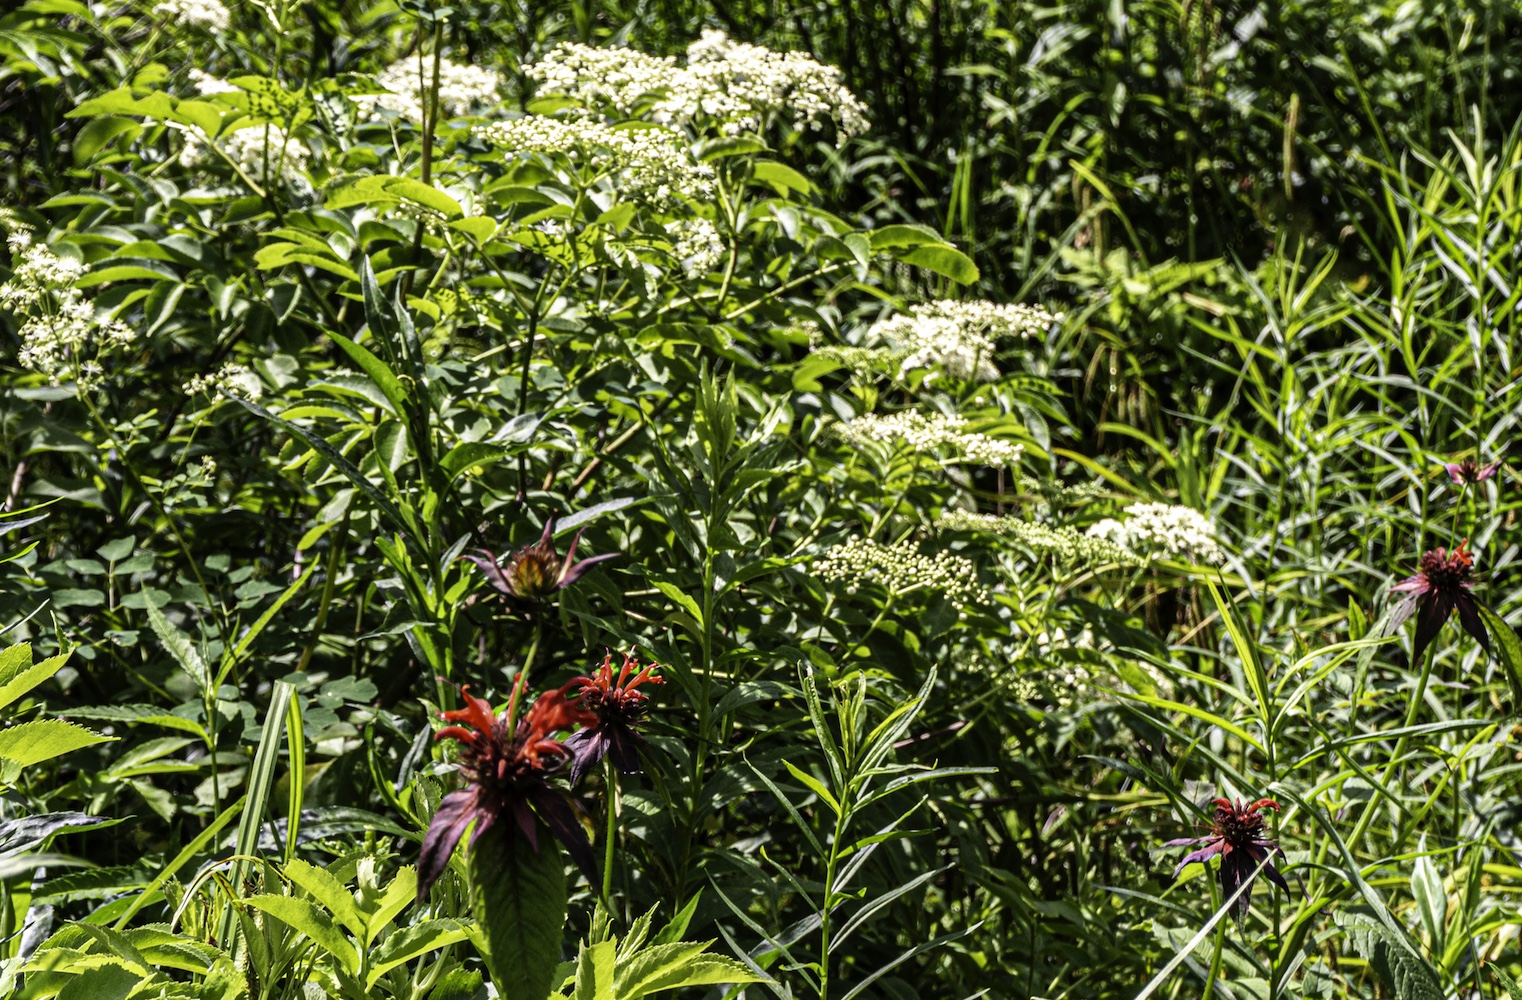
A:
(462, 88)
(926, 432)
(958, 336)
(207, 85)
(650, 163)
(233, 379)
(735, 86)
(208, 14)
(255, 149)
(697, 244)
(1159, 529)
(58, 324)
(900, 569)
(617, 78)
(1068, 545)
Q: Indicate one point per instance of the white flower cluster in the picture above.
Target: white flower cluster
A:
(1069, 545)
(1159, 529)
(958, 336)
(206, 13)
(617, 78)
(233, 379)
(900, 569)
(650, 163)
(744, 87)
(696, 243)
(58, 324)
(462, 88)
(207, 85)
(738, 87)
(256, 150)
(925, 432)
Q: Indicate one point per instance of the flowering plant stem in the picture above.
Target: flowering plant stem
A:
(611, 838)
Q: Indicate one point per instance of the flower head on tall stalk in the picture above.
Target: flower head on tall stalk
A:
(1237, 837)
(1469, 472)
(535, 571)
(1440, 587)
(616, 708)
(509, 771)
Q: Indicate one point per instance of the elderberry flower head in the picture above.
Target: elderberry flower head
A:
(1067, 544)
(926, 432)
(616, 77)
(654, 164)
(743, 88)
(901, 569)
(1159, 529)
(61, 334)
(696, 243)
(208, 14)
(958, 336)
(461, 89)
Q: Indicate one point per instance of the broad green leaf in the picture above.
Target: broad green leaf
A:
(410, 942)
(782, 178)
(814, 785)
(677, 965)
(424, 194)
(897, 236)
(378, 371)
(479, 228)
(311, 920)
(519, 898)
(33, 742)
(98, 132)
(393, 900)
(468, 455)
(947, 261)
(674, 592)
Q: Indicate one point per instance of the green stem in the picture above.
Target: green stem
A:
(611, 838)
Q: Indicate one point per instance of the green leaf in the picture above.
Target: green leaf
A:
(478, 227)
(410, 942)
(1431, 900)
(34, 742)
(571, 522)
(678, 965)
(103, 982)
(467, 455)
(896, 236)
(782, 178)
(178, 645)
(519, 898)
(424, 194)
(18, 674)
(393, 900)
(138, 714)
(1513, 989)
(305, 916)
(674, 592)
(814, 785)
(947, 261)
(594, 972)
(1508, 650)
(261, 778)
(1405, 973)
(378, 371)
(97, 133)
(327, 890)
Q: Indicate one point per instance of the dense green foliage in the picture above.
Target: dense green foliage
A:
(330, 330)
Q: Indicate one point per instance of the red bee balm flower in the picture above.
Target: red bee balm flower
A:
(535, 571)
(509, 778)
(615, 707)
(1440, 586)
(1236, 836)
(1469, 472)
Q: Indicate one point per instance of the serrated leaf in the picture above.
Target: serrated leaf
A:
(896, 236)
(594, 972)
(305, 916)
(410, 942)
(34, 742)
(18, 674)
(138, 714)
(178, 645)
(324, 887)
(519, 898)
